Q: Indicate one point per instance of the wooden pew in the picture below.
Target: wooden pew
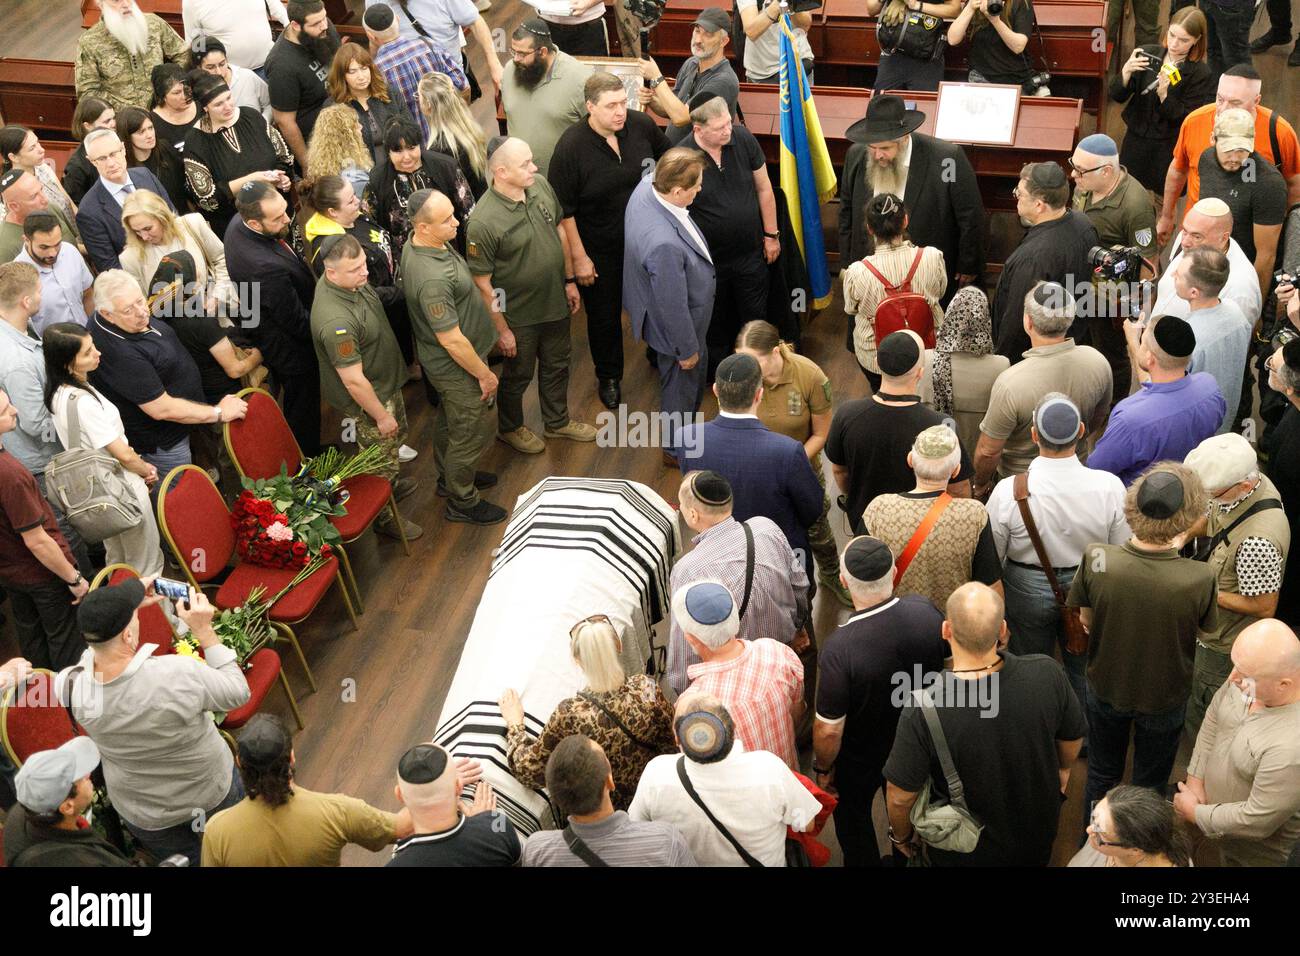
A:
(59, 151)
(38, 94)
(170, 10)
(843, 41)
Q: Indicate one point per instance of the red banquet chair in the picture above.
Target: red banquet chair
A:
(195, 523)
(264, 663)
(33, 719)
(261, 442)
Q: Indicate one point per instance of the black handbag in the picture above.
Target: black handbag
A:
(917, 35)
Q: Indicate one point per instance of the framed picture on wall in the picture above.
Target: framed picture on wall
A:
(627, 70)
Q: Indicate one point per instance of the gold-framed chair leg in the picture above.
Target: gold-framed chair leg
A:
(287, 631)
(347, 602)
(293, 704)
(397, 520)
(346, 562)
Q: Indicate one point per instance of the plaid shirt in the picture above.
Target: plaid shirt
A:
(404, 63)
(758, 688)
(778, 598)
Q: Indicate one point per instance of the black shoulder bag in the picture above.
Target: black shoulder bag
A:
(1200, 549)
(580, 849)
(592, 699)
(749, 568)
(918, 36)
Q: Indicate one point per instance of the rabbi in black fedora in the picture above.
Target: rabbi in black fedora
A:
(932, 177)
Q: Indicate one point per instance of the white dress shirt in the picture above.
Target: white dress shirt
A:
(684, 217)
(1242, 287)
(1073, 506)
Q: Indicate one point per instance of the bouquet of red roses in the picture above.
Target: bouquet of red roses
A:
(284, 522)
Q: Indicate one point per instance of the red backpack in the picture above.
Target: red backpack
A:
(902, 308)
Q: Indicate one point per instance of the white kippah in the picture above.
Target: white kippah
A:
(1212, 207)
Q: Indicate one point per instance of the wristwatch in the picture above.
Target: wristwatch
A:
(897, 842)
(217, 409)
(771, 235)
(75, 581)
(654, 84)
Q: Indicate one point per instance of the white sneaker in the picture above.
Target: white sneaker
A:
(406, 453)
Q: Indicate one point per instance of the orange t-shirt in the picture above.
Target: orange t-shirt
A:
(1194, 139)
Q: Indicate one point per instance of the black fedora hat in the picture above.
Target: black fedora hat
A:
(887, 118)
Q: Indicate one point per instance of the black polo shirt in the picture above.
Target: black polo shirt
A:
(726, 210)
(593, 183)
(719, 79)
(138, 367)
(485, 839)
(859, 668)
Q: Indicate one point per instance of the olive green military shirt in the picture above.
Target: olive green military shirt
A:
(1127, 217)
(351, 327)
(441, 295)
(516, 243)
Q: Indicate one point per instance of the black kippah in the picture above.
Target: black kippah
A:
(1175, 336)
(898, 354)
(10, 177)
(710, 488)
(1161, 495)
(867, 558)
(699, 99)
(378, 17)
(423, 763)
(495, 143)
(1291, 354)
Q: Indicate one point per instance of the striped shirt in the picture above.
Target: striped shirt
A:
(758, 687)
(776, 598)
(863, 292)
(403, 62)
(618, 840)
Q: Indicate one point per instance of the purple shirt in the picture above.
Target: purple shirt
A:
(1162, 422)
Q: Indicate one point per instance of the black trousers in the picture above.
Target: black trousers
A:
(581, 39)
(603, 302)
(857, 786)
(740, 295)
(1279, 14)
(302, 408)
(46, 624)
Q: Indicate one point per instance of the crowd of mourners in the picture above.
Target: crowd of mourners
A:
(1068, 491)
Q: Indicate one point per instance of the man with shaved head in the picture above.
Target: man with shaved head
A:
(1013, 728)
(449, 831)
(1208, 225)
(453, 335)
(519, 257)
(1243, 782)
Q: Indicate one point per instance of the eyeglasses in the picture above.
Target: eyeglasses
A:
(120, 151)
(516, 55)
(1085, 172)
(1099, 835)
(594, 619)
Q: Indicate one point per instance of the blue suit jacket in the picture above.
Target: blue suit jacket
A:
(99, 219)
(668, 283)
(769, 473)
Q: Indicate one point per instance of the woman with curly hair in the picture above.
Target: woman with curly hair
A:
(337, 148)
(453, 130)
(354, 80)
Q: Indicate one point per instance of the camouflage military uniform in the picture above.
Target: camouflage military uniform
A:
(368, 434)
(105, 69)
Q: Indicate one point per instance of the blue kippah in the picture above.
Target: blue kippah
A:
(709, 603)
(1099, 144)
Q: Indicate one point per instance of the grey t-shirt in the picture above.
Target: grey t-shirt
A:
(719, 79)
(1222, 338)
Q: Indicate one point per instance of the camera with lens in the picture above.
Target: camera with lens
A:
(1284, 336)
(1036, 82)
(994, 7)
(1283, 278)
(1121, 264)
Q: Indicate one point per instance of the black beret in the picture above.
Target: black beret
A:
(1175, 336)
(898, 353)
(1161, 495)
(867, 558)
(105, 612)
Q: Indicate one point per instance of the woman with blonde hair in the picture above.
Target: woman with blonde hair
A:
(355, 81)
(797, 403)
(453, 130)
(338, 149)
(153, 231)
(628, 716)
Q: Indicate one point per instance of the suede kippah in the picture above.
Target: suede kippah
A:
(378, 17)
(10, 177)
(738, 368)
(423, 763)
(867, 558)
(1099, 144)
(710, 488)
(1161, 495)
(1175, 336)
(898, 354)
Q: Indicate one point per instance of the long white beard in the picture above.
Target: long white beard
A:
(885, 179)
(132, 30)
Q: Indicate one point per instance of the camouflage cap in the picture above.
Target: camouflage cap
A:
(935, 443)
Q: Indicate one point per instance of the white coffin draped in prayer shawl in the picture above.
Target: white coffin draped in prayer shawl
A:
(574, 547)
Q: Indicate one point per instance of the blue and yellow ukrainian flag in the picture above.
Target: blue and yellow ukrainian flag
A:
(807, 177)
